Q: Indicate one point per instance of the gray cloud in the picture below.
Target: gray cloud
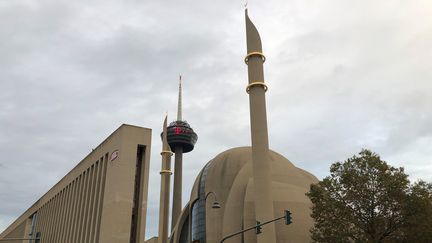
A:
(342, 76)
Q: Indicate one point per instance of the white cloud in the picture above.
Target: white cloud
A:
(342, 76)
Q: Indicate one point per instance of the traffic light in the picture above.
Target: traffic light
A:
(258, 227)
(288, 218)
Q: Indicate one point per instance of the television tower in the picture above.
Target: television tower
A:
(181, 139)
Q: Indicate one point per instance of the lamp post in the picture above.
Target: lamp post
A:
(215, 204)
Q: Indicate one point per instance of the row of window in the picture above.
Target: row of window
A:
(73, 214)
(199, 210)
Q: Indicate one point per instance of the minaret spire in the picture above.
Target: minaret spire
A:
(258, 119)
(179, 104)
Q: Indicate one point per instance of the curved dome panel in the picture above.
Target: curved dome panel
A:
(229, 175)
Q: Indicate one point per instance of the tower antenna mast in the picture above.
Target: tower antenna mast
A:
(179, 105)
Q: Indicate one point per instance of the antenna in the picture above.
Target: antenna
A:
(179, 105)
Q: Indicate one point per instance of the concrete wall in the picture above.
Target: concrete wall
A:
(152, 240)
(229, 175)
(94, 202)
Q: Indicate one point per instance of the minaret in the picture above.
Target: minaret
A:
(260, 148)
(182, 139)
(165, 187)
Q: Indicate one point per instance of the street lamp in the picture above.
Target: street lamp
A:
(215, 204)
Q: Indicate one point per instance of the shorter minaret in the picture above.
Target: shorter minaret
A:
(165, 187)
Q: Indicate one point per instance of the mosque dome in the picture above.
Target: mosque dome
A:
(229, 176)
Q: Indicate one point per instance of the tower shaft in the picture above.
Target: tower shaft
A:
(181, 138)
(260, 148)
(177, 192)
(165, 187)
(178, 167)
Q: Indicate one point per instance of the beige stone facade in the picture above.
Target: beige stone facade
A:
(152, 240)
(230, 176)
(102, 199)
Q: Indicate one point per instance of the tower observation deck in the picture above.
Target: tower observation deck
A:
(180, 134)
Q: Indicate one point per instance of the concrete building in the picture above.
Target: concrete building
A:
(102, 199)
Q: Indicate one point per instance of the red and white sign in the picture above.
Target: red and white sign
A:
(114, 155)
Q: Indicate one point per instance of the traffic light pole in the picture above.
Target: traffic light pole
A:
(257, 227)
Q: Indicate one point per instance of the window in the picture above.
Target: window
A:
(199, 210)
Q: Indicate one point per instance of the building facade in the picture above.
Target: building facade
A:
(102, 199)
(230, 176)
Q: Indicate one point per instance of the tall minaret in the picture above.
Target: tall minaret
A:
(182, 139)
(258, 118)
(165, 187)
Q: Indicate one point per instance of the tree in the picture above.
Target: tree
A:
(418, 227)
(366, 200)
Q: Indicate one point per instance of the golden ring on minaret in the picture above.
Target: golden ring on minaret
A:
(262, 84)
(165, 172)
(167, 152)
(255, 53)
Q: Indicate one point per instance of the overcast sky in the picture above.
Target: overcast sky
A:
(342, 76)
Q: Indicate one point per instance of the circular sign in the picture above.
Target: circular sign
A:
(114, 155)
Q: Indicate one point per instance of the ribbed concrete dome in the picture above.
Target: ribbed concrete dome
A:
(229, 175)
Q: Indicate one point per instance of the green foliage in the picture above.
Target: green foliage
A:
(418, 227)
(366, 200)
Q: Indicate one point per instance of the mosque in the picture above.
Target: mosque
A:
(104, 198)
(249, 184)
